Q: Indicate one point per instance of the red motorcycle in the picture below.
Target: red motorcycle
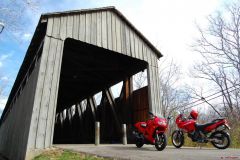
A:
(151, 132)
(214, 132)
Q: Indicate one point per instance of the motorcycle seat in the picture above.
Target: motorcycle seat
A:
(201, 127)
(144, 125)
(218, 119)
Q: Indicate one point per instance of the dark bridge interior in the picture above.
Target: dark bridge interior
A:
(86, 70)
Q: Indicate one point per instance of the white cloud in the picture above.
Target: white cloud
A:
(170, 24)
(27, 36)
(4, 78)
(3, 58)
(3, 101)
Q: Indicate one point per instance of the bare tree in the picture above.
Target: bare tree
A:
(173, 96)
(140, 79)
(12, 14)
(219, 46)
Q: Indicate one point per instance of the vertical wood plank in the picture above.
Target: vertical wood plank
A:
(56, 78)
(114, 39)
(150, 96)
(49, 26)
(53, 94)
(158, 91)
(45, 98)
(18, 120)
(132, 45)
(38, 92)
(94, 29)
(23, 109)
(88, 28)
(82, 29)
(154, 95)
(75, 26)
(109, 30)
(56, 27)
(148, 55)
(140, 49)
(136, 40)
(104, 30)
(128, 48)
(123, 41)
(12, 139)
(144, 52)
(70, 26)
(154, 89)
(99, 29)
(34, 78)
(118, 35)
(152, 57)
(63, 27)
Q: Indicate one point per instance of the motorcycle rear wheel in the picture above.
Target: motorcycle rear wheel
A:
(224, 137)
(160, 142)
(177, 139)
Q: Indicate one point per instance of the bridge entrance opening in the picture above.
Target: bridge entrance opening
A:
(87, 70)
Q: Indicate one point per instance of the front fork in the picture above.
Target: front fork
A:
(180, 133)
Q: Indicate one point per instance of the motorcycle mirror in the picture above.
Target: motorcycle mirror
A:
(169, 117)
(150, 113)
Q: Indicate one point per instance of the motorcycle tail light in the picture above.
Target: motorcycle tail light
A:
(227, 126)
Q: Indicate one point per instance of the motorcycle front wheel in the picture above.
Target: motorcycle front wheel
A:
(177, 139)
(160, 141)
(222, 139)
(139, 140)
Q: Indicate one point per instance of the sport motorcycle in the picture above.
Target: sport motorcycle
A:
(214, 131)
(151, 132)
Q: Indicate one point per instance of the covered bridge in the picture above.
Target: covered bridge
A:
(72, 56)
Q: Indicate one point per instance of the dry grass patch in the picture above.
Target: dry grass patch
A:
(59, 154)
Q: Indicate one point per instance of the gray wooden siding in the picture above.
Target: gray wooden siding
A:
(14, 131)
(36, 106)
(46, 95)
(104, 29)
(153, 91)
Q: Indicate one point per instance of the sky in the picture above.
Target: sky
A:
(169, 24)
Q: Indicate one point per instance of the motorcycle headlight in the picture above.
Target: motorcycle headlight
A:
(161, 123)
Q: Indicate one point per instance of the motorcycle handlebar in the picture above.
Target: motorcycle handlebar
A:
(150, 113)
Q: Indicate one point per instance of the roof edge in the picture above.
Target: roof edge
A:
(79, 11)
(108, 8)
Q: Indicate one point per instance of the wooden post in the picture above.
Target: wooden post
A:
(126, 93)
(97, 133)
(124, 131)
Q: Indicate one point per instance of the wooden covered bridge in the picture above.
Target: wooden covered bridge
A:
(73, 56)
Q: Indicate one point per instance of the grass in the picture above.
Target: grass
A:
(58, 154)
